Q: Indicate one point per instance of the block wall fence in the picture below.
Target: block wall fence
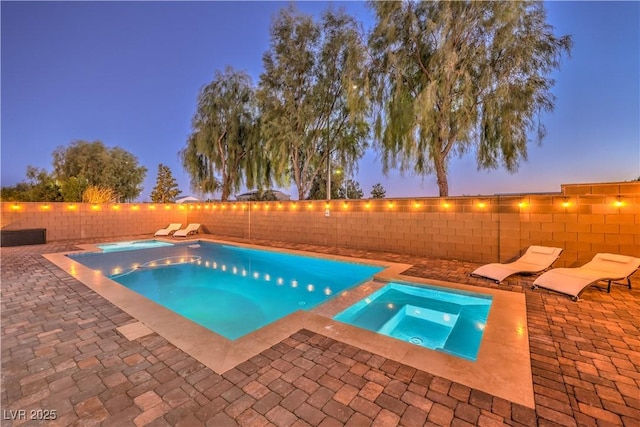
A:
(583, 219)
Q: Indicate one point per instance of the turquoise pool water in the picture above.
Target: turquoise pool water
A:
(438, 318)
(228, 289)
(132, 245)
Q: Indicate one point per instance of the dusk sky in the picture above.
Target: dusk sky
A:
(128, 74)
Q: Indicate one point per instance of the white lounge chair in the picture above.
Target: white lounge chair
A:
(169, 230)
(603, 267)
(191, 229)
(535, 260)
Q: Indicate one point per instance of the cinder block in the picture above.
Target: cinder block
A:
(591, 237)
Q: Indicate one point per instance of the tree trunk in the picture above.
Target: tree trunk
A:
(226, 191)
(441, 175)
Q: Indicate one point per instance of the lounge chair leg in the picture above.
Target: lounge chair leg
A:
(534, 287)
(609, 287)
(575, 299)
(629, 282)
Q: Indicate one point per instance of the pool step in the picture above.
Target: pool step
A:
(422, 326)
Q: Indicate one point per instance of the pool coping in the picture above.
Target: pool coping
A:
(502, 368)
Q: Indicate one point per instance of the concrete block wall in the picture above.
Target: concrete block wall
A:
(583, 220)
(64, 221)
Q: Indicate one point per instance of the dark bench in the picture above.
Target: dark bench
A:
(29, 236)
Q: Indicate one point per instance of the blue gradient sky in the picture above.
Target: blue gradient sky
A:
(128, 74)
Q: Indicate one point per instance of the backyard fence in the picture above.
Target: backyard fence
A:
(583, 219)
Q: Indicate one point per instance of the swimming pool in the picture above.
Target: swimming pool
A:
(132, 245)
(230, 290)
(437, 318)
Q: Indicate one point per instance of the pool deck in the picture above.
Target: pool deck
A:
(67, 349)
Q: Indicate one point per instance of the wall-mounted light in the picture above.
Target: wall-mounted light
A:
(152, 207)
(367, 205)
(95, 207)
(619, 202)
(135, 207)
(15, 206)
(167, 207)
(72, 207)
(566, 203)
(446, 204)
(390, 205)
(417, 204)
(522, 204)
(345, 205)
(45, 207)
(482, 204)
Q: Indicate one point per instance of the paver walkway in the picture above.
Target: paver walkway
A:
(62, 358)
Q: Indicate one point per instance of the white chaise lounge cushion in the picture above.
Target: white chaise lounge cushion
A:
(170, 229)
(535, 259)
(191, 228)
(603, 266)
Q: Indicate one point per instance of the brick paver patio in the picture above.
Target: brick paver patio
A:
(61, 352)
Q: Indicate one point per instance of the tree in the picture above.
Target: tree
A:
(311, 96)
(166, 189)
(350, 190)
(17, 193)
(318, 189)
(449, 77)
(73, 188)
(378, 191)
(224, 149)
(42, 186)
(101, 166)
